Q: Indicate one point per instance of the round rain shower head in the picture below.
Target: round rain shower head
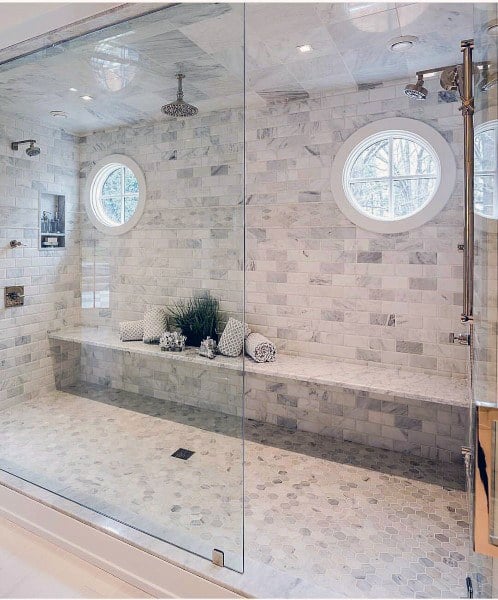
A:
(179, 108)
(33, 150)
(416, 90)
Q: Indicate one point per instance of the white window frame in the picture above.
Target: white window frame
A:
(93, 193)
(493, 124)
(416, 130)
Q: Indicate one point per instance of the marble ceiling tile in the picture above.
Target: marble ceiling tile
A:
(186, 14)
(321, 66)
(218, 34)
(273, 78)
(280, 21)
(337, 12)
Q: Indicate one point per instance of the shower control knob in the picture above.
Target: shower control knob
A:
(461, 338)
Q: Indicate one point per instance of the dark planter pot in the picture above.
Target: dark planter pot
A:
(193, 339)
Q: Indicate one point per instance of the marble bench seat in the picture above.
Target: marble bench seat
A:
(386, 407)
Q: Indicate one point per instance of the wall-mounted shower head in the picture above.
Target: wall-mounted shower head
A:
(179, 108)
(417, 90)
(31, 150)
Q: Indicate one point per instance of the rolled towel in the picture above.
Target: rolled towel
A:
(155, 324)
(232, 339)
(131, 331)
(260, 348)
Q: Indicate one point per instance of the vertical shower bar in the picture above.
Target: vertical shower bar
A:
(468, 123)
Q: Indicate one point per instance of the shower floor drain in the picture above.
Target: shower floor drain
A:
(182, 453)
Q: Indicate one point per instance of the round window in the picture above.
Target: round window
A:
(486, 169)
(115, 194)
(393, 175)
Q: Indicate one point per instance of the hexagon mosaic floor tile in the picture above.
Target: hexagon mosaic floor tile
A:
(360, 521)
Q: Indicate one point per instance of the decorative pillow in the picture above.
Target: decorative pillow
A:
(131, 331)
(232, 339)
(155, 324)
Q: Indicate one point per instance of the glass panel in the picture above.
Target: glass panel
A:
(372, 197)
(485, 148)
(147, 437)
(113, 183)
(111, 207)
(130, 206)
(484, 195)
(372, 162)
(131, 183)
(410, 158)
(410, 195)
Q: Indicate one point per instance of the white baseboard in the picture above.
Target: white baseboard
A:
(154, 575)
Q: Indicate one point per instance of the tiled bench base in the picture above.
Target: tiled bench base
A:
(412, 426)
(291, 393)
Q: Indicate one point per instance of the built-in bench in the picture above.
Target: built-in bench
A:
(385, 407)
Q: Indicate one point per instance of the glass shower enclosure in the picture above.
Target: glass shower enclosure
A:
(150, 439)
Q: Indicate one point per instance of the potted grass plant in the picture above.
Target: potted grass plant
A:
(197, 318)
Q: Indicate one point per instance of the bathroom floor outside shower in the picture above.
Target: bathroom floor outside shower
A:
(354, 521)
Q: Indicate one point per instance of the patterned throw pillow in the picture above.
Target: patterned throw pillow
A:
(131, 331)
(155, 324)
(232, 339)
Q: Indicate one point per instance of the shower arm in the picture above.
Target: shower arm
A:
(482, 64)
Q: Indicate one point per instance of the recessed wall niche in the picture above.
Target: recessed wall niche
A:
(52, 221)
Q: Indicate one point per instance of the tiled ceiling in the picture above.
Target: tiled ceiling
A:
(129, 69)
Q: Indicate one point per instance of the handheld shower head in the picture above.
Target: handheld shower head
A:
(416, 90)
(179, 108)
(32, 150)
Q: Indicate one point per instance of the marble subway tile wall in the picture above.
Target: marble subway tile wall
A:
(319, 285)
(190, 238)
(50, 277)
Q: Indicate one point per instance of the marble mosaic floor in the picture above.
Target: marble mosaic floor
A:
(359, 521)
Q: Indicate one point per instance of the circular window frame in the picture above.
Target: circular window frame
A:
(96, 178)
(431, 138)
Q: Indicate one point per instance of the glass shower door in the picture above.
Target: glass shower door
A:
(484, 361)
(151, 439)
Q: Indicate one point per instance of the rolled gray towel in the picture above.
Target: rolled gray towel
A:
(131, 331)
(260, 348)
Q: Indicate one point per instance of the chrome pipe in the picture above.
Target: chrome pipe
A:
(467, 109)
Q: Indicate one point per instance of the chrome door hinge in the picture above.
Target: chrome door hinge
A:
(218, 557)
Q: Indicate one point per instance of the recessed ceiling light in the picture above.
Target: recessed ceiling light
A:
(305, 48)
(492, 28)
(86, 97)
(402, 43)
(73, 90)
(58, 114)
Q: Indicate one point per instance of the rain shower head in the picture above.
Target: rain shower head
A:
(417, 90)
(179, 108)
(32, 150)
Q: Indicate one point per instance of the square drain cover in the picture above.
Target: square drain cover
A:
(183, 453)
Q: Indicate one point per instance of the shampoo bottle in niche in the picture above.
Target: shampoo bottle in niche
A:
(45, 222)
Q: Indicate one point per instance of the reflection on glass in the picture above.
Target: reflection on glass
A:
(114, 66)
(486, 169)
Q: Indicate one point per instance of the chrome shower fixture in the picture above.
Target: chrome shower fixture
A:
(32, 150)
(417, 90)
(180, 108)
